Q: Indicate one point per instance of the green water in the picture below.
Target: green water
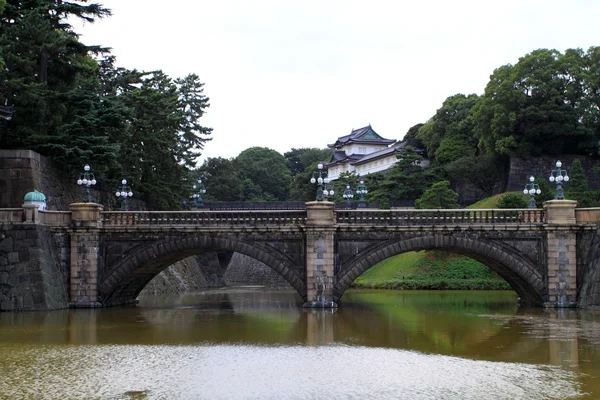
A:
(252, 343)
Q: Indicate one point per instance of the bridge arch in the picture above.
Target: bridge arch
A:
(125, 279)
(519, 272)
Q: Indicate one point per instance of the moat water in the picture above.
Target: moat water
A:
(253, 343)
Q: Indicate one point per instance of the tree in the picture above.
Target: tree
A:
(302, 163)
(512, 200)
(448, 135)
(485, 172)
(439, 195)
(301, 188)
(578, 188)
(406, 180)
(411, 138)
(159, 147)
(544, 104)
(221, 179)
(300, 159)
(267, 169)
(547, 193)
(43, 61)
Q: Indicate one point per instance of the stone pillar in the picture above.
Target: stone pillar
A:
(31, 213)
(561, 253)
(85, 244)
(320, 249)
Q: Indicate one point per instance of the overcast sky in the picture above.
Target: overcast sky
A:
(287, 73)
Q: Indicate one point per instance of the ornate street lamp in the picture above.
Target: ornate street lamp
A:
(87, 180)
(361, 191)
(319, 178)
(531, 189)
(124, 192)
(348, 195)
(328, 191)
(198, 200)
(559, 176)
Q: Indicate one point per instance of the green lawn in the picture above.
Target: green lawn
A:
(489, 202)
(433, 269)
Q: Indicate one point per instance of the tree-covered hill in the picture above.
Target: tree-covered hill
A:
(70, 102)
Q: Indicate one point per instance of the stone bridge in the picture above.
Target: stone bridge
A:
(88, 257)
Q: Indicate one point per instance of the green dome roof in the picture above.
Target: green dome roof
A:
(35, 196)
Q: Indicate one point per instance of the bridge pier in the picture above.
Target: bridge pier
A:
(85, 244)
(561, 253)
(320, 254)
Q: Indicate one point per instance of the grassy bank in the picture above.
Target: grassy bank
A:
(425, 270)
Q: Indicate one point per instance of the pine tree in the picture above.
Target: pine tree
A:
(438, 196)
(578, 187)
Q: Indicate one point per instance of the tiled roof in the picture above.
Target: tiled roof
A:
(361, 135)
(339, 157)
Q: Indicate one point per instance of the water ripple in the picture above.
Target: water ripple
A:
(261, 372)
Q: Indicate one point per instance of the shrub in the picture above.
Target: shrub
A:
(512, 200)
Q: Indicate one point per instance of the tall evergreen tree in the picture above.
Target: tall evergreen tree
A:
(438, 196)
(578, 188)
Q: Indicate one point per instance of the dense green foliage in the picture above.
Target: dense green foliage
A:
(512, 200)
(72, 104)
(265, 173)
(547, 103)
(578, 187)
(448, 135)
(439, 195)
(405, 180)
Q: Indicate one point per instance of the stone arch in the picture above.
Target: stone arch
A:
(125, 280)
(520, 273)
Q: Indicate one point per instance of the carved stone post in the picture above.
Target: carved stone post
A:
(30, 212)
(85, 242)
(562, 253)
(320, 232)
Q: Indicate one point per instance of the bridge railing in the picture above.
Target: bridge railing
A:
(55, 218)
(11, 215)
(200, 218)
(441, 217)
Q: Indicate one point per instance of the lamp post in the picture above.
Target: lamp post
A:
(328, 190)
(361, 191)
(198, 200)
(319, 178)
(87, 180)
(531, 189)
(559, 176)
(124, 192)
(348, 195)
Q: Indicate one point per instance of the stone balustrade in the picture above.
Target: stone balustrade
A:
(441, 217)
(586, 216)
(11, 215)
(55, 218)
(202, 218)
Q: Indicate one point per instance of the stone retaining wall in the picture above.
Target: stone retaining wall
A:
(244, 270)
(22, 171)
(183, 276)
(522, 168)
(33, 268)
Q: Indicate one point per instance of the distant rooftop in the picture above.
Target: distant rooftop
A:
(361, 135)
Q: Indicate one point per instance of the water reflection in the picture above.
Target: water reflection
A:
(380, 334)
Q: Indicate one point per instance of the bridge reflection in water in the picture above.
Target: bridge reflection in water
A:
(403, 339)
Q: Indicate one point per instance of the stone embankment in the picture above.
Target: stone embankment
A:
(243, 270)
(33, 269)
